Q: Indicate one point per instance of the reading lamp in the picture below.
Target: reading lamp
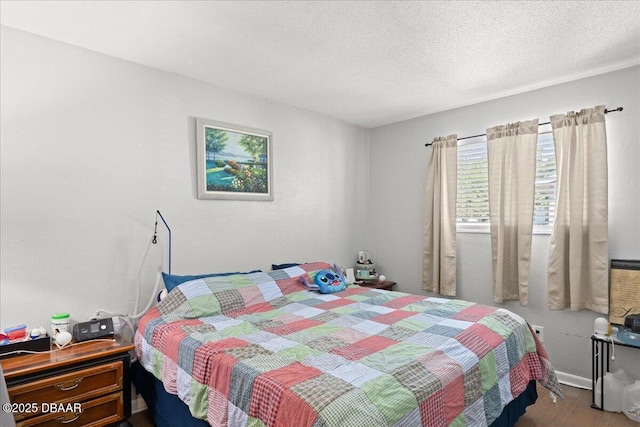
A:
(130, 319)
(155, 235)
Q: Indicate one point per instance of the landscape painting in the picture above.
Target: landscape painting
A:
(234, 162)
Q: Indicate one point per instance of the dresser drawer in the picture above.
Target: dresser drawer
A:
(73, 387)
(95, 413)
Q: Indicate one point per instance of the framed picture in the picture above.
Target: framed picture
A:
(234, 162)
(624, 291)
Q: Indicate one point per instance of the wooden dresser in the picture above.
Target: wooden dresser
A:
(87, 384)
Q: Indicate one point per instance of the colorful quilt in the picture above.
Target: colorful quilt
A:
(261, 350)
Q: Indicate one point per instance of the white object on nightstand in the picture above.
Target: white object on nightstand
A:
(351, 278)
(62, 339)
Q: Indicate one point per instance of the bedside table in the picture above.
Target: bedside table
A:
(87, 384)
(387, 285)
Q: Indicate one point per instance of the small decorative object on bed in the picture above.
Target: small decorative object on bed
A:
(262, 349)
(327, 281)
(234, 162)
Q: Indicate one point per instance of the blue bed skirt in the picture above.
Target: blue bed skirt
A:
(168, 410)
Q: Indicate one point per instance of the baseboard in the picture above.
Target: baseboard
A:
(574, 380)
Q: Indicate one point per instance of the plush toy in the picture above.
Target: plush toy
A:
(328, 281)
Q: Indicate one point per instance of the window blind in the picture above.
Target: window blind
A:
(544, 208)
(473, 183)
(472, 205)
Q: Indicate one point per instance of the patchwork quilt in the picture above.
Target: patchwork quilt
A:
(259, 349)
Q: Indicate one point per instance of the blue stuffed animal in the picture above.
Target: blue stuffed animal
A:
(328, 281)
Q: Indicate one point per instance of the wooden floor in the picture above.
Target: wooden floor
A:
(141, 419)
(574, 411)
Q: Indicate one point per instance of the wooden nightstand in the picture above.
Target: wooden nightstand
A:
(88, 384)
(386, 285)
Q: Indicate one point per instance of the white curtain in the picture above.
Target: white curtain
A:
(512, 172)
(439, 257)
(579, 251)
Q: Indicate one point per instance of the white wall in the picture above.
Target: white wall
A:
(397, 173)
(93, 145)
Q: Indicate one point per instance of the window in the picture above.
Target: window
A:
(544, 207)
(472, 214)
(472, 209)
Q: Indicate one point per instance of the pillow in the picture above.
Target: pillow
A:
(283, 266)
(218, 294)
(326, 281)
(330, 281)
(211, 296)
(172, 280)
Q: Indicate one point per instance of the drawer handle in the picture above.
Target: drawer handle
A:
(63, 420)
(64, 387)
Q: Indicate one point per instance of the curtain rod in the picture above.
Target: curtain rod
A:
(541, 124)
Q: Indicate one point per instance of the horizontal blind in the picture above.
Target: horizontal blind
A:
(473, 184)
(544, 209)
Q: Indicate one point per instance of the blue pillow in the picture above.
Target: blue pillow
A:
(326, 281)
(283, 266)
(172, 280)
(330, 281)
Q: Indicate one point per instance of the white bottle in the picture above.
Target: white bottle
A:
(631, 401)
(623, 377)
(612, 393)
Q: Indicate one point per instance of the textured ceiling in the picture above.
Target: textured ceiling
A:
(366, 63)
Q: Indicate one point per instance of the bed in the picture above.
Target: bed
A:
(260, 349)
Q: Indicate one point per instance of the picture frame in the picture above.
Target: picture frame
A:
(624, 290)
(234, 162)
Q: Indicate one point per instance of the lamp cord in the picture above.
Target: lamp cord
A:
(155, 235)
(613, 346)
